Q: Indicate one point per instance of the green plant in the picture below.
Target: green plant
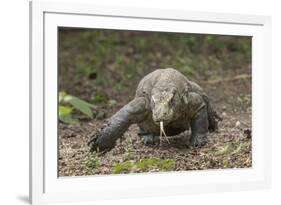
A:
(68, 104)
(65, 115)
(100, 98)
(232, 148)
(91, 161)
(244, 100)
(144, 165)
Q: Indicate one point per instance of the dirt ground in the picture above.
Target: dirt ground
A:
(229, 147)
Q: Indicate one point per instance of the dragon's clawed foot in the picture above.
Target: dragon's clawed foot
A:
(198, 141)
(151, 140)
(98, 142)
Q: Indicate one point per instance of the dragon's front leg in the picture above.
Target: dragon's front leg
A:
(105, 138)
(199, 128)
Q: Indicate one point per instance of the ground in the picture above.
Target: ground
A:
(225, 76)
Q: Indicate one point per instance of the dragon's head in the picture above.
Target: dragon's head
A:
(165, 104)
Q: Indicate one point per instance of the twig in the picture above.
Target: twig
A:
(237, 77)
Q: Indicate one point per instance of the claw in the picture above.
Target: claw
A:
(93, 144)
(97, 143)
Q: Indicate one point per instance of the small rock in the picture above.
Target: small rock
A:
(237, 124)
(224, 114)
(75, 146)
(248, 133)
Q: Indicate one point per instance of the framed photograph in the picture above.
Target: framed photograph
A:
(137, 102)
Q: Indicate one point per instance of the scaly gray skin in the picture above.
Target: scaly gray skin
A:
(162, 95)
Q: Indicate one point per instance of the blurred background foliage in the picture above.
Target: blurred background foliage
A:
(105, 66)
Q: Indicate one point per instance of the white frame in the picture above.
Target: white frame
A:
(46, 187)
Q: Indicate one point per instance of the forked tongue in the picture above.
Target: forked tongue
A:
(162, 132)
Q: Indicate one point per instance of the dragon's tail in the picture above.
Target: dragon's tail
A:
(213, 117)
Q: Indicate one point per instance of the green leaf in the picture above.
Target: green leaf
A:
(68, 119)
(65, 115)
(64, 110)
(80, 105)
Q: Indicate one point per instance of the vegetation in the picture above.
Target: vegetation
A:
(91, 161)
(68, 104)
(144, 165)
(99, 59)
